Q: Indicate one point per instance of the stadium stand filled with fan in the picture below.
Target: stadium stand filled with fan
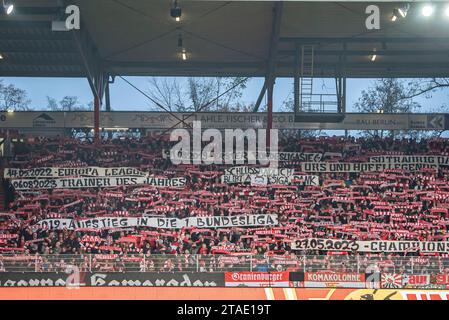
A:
(276, 222)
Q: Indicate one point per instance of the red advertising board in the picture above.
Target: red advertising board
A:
(257, 279)
(334, 280)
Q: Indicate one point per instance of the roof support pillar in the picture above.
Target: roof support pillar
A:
(261, 95)
(270, 87)
(94, 72)
(341, 83)
(107, 97)
(272, 55)
(296, 75)
(277, 16)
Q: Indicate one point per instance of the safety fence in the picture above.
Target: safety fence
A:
(222, 263)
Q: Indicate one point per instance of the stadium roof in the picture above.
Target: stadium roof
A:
(229, 38)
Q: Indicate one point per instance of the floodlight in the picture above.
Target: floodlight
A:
(427, 10)
(8, 6)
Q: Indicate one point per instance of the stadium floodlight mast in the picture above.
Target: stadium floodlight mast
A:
(8, 6)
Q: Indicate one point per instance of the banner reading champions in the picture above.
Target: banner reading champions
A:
(163, 223)
(370, 246)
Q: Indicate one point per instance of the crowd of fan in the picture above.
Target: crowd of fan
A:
(389, 205)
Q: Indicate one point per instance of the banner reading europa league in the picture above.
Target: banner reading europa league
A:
(55, 172)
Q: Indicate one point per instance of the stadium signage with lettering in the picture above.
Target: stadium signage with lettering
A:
(370, 246)
(163, 223)
(281, 120)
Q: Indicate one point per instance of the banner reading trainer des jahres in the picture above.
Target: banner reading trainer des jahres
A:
(95, 182)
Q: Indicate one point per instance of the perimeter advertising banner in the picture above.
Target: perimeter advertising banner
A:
(292, 280)
(111, 279)
(257, 279)
(334, 280)
(414, 281)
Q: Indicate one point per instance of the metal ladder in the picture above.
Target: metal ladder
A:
(306, 81)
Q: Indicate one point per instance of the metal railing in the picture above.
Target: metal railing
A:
(320, 103)
(222, 263)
